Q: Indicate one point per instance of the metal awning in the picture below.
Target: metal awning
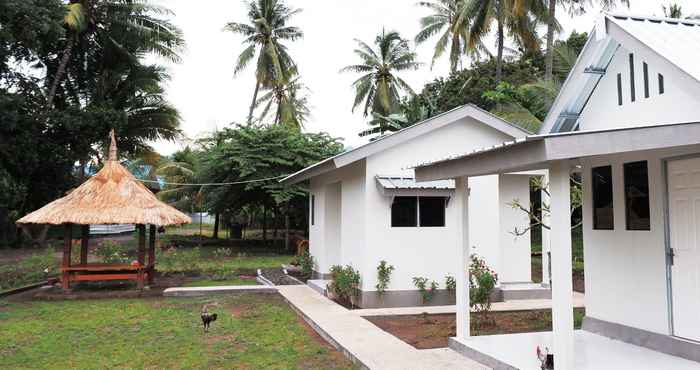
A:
(535, 152)
(408, 186)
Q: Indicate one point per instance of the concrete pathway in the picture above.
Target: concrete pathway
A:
(368, 345)
(512, 305)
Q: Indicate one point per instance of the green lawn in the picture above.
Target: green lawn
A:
(252, 332)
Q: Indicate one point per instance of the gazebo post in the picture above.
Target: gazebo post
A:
(151, 253)
(85, 231)
(141, 254)
(65, 264)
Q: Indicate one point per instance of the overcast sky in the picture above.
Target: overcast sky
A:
(208, 96)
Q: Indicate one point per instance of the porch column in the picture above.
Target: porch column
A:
(461, 201)
(562, 287)
(546, 220)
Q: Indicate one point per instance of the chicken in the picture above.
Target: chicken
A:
(207, 318)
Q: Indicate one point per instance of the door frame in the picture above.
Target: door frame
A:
(667, 234)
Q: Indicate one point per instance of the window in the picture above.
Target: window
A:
(637, 196)
(432, 211)
(645, 69)
(418, 212)
(661, 84)
(619, 89)
(404, 212)
(313, 209)
(632, 92)
(603, 218)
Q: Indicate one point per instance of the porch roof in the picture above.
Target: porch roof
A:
(534, 152)
(408, 186)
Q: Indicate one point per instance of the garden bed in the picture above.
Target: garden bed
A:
(277, 277)
(432, 330)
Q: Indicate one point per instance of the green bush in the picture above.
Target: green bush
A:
(345, 283)
(482, 280)
(32, 269)
(112, 252)
(450, 283)
(384, 271)
(306, 262)
(422, 284)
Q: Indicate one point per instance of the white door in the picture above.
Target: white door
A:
(684, 220)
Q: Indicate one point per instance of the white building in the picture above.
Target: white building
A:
(627, 118)
(365, 207)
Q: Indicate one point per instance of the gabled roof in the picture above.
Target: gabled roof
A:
(675, 40)
(404, 135)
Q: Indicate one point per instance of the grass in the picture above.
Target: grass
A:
(252, 332)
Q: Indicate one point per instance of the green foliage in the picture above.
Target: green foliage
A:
(482, 280)
(422, 284)
(181, 260)
(384, 271)
(32, 269)
(306, 262)
(112, 252)
(345, 283)
(223, 252)
(450, 283)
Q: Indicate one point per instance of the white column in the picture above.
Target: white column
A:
(562, 287)
(461, 201)
(545, 232)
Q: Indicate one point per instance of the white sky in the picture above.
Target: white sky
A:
(208, 96)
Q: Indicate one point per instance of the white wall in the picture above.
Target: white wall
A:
(515, 250)
(427, 252)
(625, 271)
(676, 105)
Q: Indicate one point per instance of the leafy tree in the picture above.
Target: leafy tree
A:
(380, 87)
(518, 18)
(264, 35)
(453, 29)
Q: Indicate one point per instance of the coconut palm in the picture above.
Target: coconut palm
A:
(380, 87)
(574, 7)
(288, 102)
(518, 18)
(264, 34)
(454, 32)
(131, 28)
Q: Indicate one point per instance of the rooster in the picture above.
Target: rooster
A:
(207, 318)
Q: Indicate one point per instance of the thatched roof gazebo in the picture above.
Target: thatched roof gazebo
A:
(112, 196)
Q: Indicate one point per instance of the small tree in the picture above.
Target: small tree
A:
(482, 280)
(384, 271)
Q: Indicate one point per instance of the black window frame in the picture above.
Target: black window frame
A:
(440, 203)
(416, 210)
(313, 210)
(626, 168)
(595, 190)
(619, 89)
(633, 94)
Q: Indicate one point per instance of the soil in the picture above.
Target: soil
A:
(278, 277)
(432, 330)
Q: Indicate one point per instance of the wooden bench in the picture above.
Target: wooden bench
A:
(104, 272)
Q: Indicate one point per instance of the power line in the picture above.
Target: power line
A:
(213, 183)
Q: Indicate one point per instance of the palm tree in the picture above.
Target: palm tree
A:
(380, 87)
(574, 7)
(289, 104)
(518, 17)
(97, 21)
(454, 31)
(268, 27)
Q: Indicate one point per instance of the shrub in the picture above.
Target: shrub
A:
(112, 252)
(179, 260)
(422, 284)
(482, 280)
(450, 283)
(383, 276)
(222, 252)
(345, 283)
(306, 262)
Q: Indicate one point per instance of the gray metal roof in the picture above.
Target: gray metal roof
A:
(676, 40)
(405, 183)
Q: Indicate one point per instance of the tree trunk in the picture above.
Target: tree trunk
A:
(264, 223)
(216, 226)
(549, 61)
(252, 104)
(499, 57)
(61, 71)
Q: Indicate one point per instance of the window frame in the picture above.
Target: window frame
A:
(313, 210)
(417, 199)
(595, 195)
(648, 195)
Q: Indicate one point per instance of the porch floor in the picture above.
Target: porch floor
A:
(592, 352)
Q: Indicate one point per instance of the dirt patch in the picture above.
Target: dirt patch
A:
(241, 311)
(432, 331)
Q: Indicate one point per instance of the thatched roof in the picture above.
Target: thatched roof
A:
(112, 196)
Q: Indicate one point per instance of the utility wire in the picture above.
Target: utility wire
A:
(213, 183)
